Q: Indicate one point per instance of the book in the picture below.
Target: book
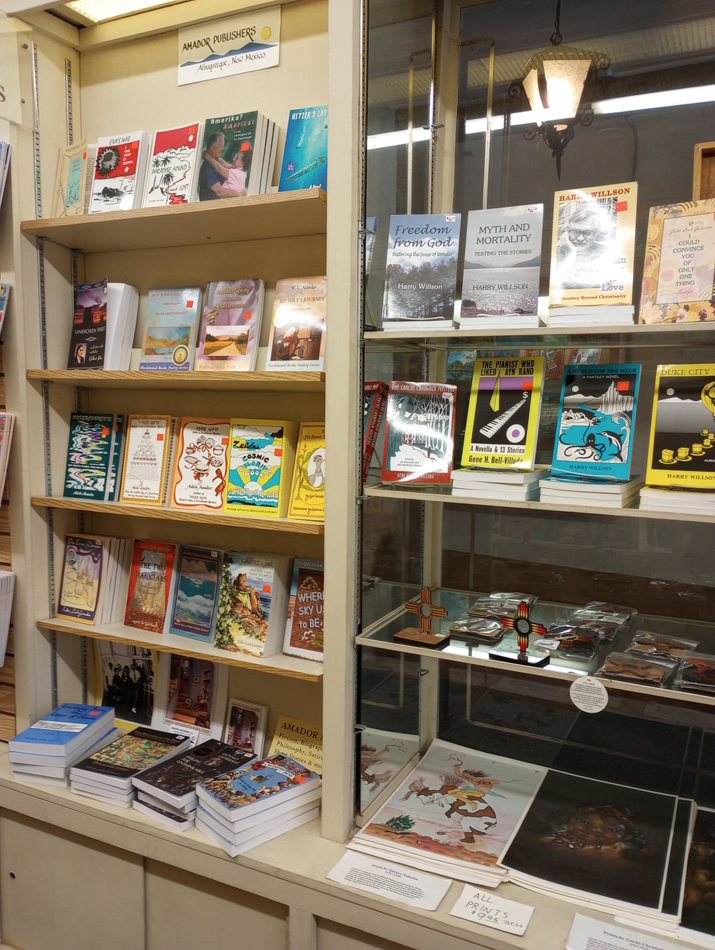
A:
(260, 467)
(89, 327)
(195, 593)
(172, 316)
(146, 460)
(5, 150)
(679, 264)
(246, 726)
(117, 763)
(305, 157)
(119, 170)
(84, 569)
(421, 271)
(503, 417)
(70, 181)
(150, 582)
(60, 732)
(304, 626)
(116, 462)
(419, 435)
(307, 497)
(302, 741)
(374, 403)
(502, 264)
(163, 815)
(89, 168)
(597, 415)
(592, 246)
(191, 697)
(231, 325)
(89, 454)
(172, 166)
(297, 337)
(253, 603)
(4, 299)
(681, 451)
(7, 593)
(200, 464)
(232, 156)
(266, 831)
(467, 477)
(126, 676)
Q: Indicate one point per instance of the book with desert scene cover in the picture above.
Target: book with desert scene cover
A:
(231, 325)
(304, 627)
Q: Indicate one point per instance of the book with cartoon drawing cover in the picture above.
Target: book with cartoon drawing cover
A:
(89, 454)
(119, 169)
(172, 166)
(150, 581)
(307, 495)
(419, 435)
(201, 456)
(172, 315)
(594, 432)
(260, 467)
(70, 181)
(231, 325)
(503, 418)
(253, 601)
(195, 593)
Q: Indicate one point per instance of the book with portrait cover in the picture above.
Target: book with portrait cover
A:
(297, 337)
(231, 325)
(172, 316)
(201, 457)
(419, 435)
(374, 403)
(304, 627)
(679, 267)
(173, 163)
(503, 418)
(150, 581)
(421, 271)
(305, 158)
(260, 467)
(89, 327)
(146, 459)
(89, 454)
(119, 170)
(307, 496)
(84, 567)
(70, 181)
(232, 156)
(594, 432)
(681, 453)
(502, 264)
(195, 592)
(592, 246)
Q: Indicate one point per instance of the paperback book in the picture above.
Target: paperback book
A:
(502, 264)
(246, 726)
(83, 574)
(173, 161)
(146, 459)
(297, 337)
(59, 733)
(200, 470)
(421, 271)
(89, 327)
(150, 582)
(172, 316)
(304, 628)
(119, 170)
(191, 697)
(195, 594)
(307, 497)
(503, 418)
(118, 762)
(231, 325)
(419, 435)
(260, 467)
(70, 181)
(305, 158)
(374, 403)
(89, 455)
(116, 463)
(235, 149)
(594, 432)
(126, 675)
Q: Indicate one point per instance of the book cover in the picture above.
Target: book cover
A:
(181, 774)
(679, 267)
(681, 452)
(272, 777)
(502, 262)
(228, 156)
(126, 677)
(89, 327)
(145, 459)
(592, 246)
(61, 728)
(503, 417)
(419, 435)
(374, 403)
(248, 587)
(118, 173)
(304, 627)
(200, 468)
(305, 158)
(172, 316)
(88, 456)
(594, 432)
(83, 569)
(297, 337)
(302, 741)
(130, 754)
(246, 726)
(115, 464)
(173, 158)
(68, 196)
(191, 697)
(258, 475)
(150, 579)
(196, 593)
(421, 270)
(231, 325)
(307, 497)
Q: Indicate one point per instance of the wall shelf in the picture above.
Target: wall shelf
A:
(206, 380)
(175, 514)
(279, 664)
(255, 218)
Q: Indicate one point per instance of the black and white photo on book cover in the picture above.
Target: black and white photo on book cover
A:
(127, 674)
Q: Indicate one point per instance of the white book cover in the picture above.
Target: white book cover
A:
(172, 165)
(119, 169)
(200, 464)
(145, 459)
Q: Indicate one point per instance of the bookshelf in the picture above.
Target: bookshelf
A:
(201, 380)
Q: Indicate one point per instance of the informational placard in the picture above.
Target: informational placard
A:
(589, 694)
(490, 910)
(236, 44)
(589, 934)
(390, 880)
(302, 741)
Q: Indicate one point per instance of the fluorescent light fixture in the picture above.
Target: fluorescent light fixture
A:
(393, 139)
(99, 10)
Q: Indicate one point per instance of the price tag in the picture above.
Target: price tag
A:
(490, 910)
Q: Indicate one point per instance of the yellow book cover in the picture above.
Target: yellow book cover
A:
(503, 417)
(259, 467)
(592, 246)
(146, 460)
(307, 496)
(302, 741)
(682, 432)
(679, 264)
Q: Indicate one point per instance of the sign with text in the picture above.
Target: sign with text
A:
(390, 880)
(237, 44)
(589, 934)
(490, 910)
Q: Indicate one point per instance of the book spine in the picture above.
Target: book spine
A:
(373, 428)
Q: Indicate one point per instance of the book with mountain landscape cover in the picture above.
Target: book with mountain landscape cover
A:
(419, 435)
(150, 581)
(260, 467)
(89, 454)
(172, 316)
(252, 603)
(305, 157)
(304, 627)
(199, 481)
(231, 325)
(173, 162)
(195, 594)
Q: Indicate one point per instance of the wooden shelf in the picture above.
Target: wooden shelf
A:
(445, 497)
(278, 214)
(200, 380)
(176, 514)
(279, 664)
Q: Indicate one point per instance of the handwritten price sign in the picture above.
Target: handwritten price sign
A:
(482, 907)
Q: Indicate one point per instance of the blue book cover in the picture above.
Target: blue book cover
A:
(88, 456)
(63, 726)
(196, 594)
(270, 778)
(172, 318)
(305, 159)
(594, 432)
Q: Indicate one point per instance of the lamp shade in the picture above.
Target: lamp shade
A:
(554, 88)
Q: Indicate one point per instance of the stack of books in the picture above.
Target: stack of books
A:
(674, 499)
(590, 492)
(96, 572)
(107, 775)
(254, 804)
(167, 792)
(607, 316)
(45, 753)
(508, 484)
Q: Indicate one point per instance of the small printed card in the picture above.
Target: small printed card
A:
(490, 910)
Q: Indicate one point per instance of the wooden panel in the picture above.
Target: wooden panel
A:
(704, 171)
(197, 380)
(7, 727)
(7, 671)
(332, 936)
(7, 700)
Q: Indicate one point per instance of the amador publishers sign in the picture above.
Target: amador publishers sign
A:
(237, 44)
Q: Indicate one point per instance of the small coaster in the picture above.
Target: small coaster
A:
(413, 635)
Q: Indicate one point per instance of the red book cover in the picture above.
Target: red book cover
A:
(149, 585)
(419, 436)
(373, 412)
